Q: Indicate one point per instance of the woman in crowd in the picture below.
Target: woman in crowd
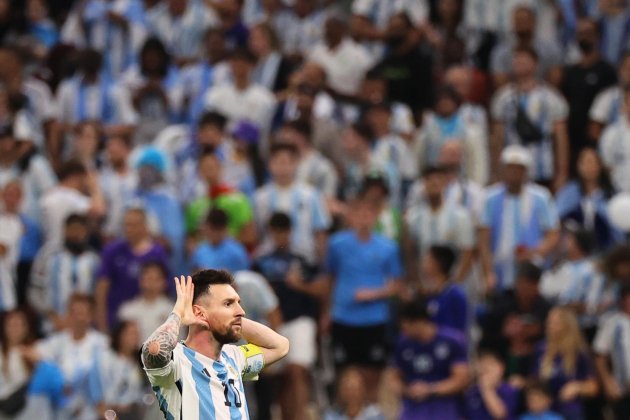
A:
(563, 363)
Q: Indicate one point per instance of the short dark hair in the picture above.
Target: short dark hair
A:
(71, 168)
(523, 49)
(154, 264)
(415, 310)
(217, 218)
(205, 278)
(374, 179)
(213, 118)
(76, 218)
(529, 271)
(302, 127)
(81, 298)
(444, 256)
(539, 387)
(283, 147)
(243, 54)
(117, 332)
(280, 221)
(585, 240)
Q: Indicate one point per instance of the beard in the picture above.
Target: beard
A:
(227, 337)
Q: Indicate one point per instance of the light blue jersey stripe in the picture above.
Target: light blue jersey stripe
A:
(240, 384)
(162, 403)
(202, 385)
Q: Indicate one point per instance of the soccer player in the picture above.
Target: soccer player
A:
(202, 377)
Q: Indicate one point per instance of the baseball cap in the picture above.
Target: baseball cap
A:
(152, 157)
(246, 131)
(516, 155)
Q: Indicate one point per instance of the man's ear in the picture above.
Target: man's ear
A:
(198, 312)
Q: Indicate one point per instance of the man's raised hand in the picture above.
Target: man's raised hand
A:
(184, 304)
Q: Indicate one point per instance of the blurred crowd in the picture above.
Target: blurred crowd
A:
(414, 192)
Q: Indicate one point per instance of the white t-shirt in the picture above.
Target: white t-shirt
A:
(148, 315)
(345, 66)
(10, 234)
(614, 148)
(255, 103)
(56, 205)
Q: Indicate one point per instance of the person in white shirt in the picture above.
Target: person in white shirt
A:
(301, 202)
(243, 100)
(75, 350)
(68, 198)
(61, 272)
(202, 377)
(301, 26)
(614, 147)
(344, 61)
(11, 231)
(181, 25)
(314, 169)
(150, 308)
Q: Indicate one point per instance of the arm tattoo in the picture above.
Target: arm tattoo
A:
(157, 350)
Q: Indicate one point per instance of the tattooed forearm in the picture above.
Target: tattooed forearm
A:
(157, 350)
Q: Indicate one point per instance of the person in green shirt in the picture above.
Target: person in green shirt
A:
(219, 195)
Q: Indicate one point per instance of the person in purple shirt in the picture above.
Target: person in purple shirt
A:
(491, 397)
(447, 304)
(219, 250)
(562, 362)
(121, 263)
(430, 366)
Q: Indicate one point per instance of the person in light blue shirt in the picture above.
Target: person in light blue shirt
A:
(219, 251)
(519, 221)
(365, 268)
(539, 404)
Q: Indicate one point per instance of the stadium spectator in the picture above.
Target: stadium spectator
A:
(272, 68)
(608, 105)
(69, 197)
(365, 271)
(430, 365)
(121, 262)
(149, 309)
(437, 222)
(532, 114)
(75, 350)
(539, 401)
(376, 191)
(613, 148)
(351, 401)
(563, 363)
(59, 273)
(218, 250)
(294, 281)
(519, 221)
(10, 239)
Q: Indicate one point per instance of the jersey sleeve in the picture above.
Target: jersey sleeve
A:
(167, 376)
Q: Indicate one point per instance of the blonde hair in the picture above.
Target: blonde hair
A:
(568, 344)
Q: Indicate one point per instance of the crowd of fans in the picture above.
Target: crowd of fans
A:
(414, 192)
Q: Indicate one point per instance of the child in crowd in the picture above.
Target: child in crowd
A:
(539, 404)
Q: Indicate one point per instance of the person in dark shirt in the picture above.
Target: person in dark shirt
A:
(407, 69)
(295, 284)
(515, 321)
(582, 82)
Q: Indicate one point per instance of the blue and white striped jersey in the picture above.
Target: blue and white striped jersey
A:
(195, 387)
(613, 340)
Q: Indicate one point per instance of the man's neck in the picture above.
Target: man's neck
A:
(283, 184)
(241, 84)
(120, 168)
(514, 190)
(589, 60)
(435, 203)
(203, 342)
(526, 84)
(140, 245)
(78, 335)
(364, 235)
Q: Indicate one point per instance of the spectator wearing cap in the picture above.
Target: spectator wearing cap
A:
(438, 222)
(220, 195)
(345, 61)
(391, 152)
(181, 25)
(314, 169)
(430, 365)
(584, 200)
(612, 347)
(91, 95)
(529, 113)
(33, 170)
(304, 205)
(272, 68)
(514, 320)
(70, 197)
(614, 149)
(525, 35)
(364, 269)
(160, 202)
(519, 221)
(447, 123)
(198, 77)
(576, 281)
(121, 264)
(608, 105)
(156, 90)
(243, 99)
(218, 250)
(376, 191)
